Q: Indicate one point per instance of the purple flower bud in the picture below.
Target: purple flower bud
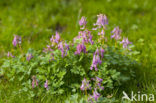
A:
(82, 22)
(46, 84)
(116, 33)
(15, 41)
(102, 52)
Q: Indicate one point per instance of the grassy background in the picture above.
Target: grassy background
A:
(37, 20)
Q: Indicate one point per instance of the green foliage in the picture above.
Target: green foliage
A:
(75, 98)
(64, 74)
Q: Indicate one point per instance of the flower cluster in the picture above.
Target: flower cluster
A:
(16, 40)
(85, 36)
(34, 81)
(97, 56)
(95, 96)
(102, 21)
(82, 22)
(98, 83)
(116, 33)
(86, 45)
(125, 43)
(57, 43)
(55, 39)
(80, 48)
(64, 47)
(29, 56)
(85, 85)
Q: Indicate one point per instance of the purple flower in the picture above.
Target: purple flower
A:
(10, 55)
(34, 81)
(102, 51)
(57, 37)
(82, 22)
(52, 39)
(96, 58)
(16, 40)
(102, 32)
(80, 48)
(46, 84)
(64, 48)
(48, 49)
(125, 42)
(98, 83)
(99, 79)
(85, 85)
(52, 57)
(29, 57)
(60, 46)
(116, 33)
(85, 36)
(96, 61)
(95, 96)
(90, 39)
(101, 21)
(97, 52)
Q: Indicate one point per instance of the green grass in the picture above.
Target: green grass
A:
(37, 20)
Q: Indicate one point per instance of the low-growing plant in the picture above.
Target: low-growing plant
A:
(93, 63)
